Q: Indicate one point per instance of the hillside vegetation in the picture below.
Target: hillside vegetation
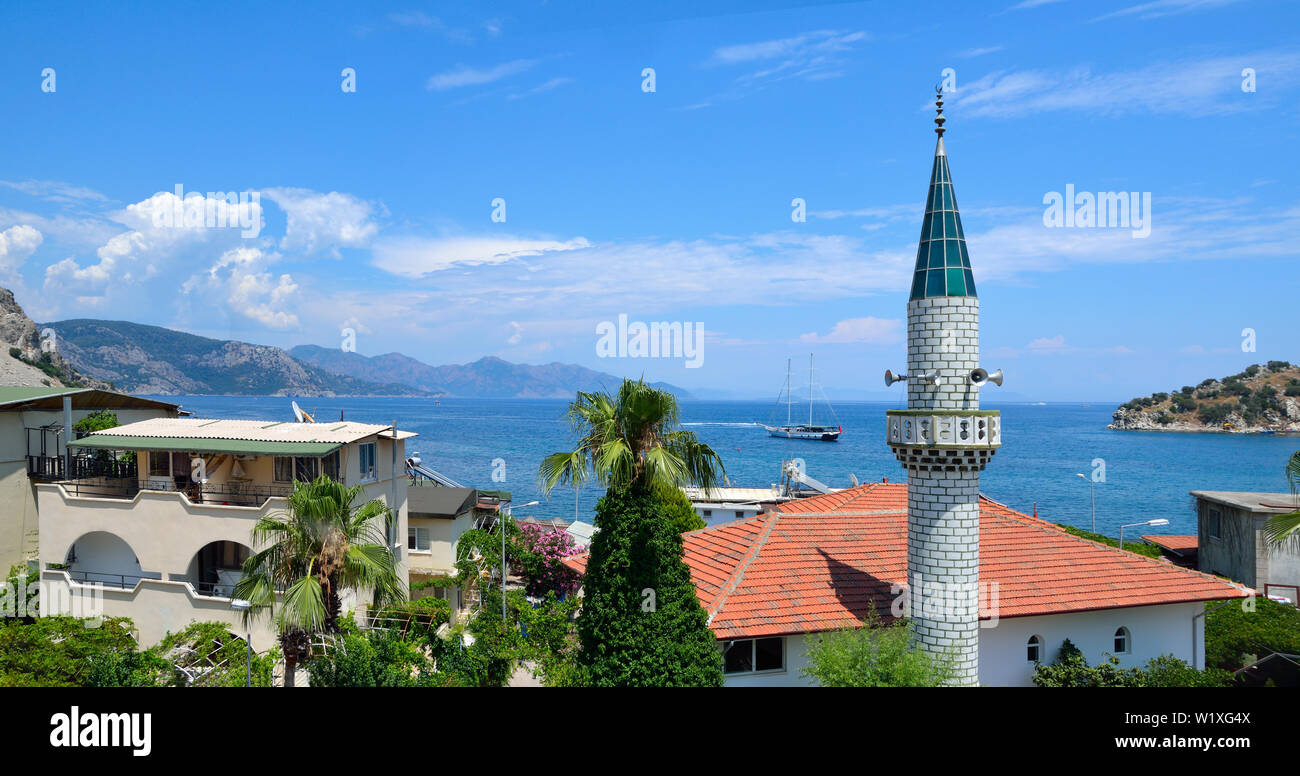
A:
(1264, 397)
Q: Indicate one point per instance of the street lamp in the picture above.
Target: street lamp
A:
(508, 515)
(240, 605)
(1092, 491)
(1157, 521)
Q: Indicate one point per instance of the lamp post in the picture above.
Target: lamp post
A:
(240, 605)
(507, 516)
(1092, 492)
(1157, 521)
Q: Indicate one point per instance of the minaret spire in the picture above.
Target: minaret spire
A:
(943, 439)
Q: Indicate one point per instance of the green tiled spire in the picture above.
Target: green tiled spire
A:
(942, 264)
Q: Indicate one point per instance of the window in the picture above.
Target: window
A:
(1035, 649)
(1215, 524)
(160, 464)
(329, 466)
(289, 468)
(1122, 641)
(740, 513)
(367, 457)
(752, 655)
(707, 512)
(417, 538)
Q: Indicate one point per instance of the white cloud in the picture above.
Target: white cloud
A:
(463, 75)
(542, 87)
(316, 221)
(978, 52)
(1047, 345)
(875, 331)
(16, 244)
(55, 191)
(813, 55)
(240, 275)
(1193, 87)
(417, 256)
(1159, 8)
(516, 333)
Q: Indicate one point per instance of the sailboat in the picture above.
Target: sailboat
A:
(810, 430)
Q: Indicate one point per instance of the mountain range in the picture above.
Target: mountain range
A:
(488, 377)
(143, 359)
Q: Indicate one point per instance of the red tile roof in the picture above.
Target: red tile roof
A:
(820, 563)
(1178, 544)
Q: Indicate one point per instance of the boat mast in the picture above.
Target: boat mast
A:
(788, 397)
(810, 387)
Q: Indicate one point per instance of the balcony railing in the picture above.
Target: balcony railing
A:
(235, 494)
(125, 581)
(51, 467)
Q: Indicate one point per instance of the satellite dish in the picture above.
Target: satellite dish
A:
(853, 478)
(300, 415)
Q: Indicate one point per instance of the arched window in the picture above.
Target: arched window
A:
(1035, 649)
(1122, 641)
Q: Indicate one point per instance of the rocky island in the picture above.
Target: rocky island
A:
(1265, 398)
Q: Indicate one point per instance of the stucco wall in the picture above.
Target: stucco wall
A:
(1236, 552)
(1003, 660)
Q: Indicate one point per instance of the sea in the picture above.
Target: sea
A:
(1136, 476)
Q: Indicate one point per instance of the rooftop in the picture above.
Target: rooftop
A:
(1268, 503)
(1179, 545)
(18, 398)
(252, 437)
(821, 563)
(732, 495)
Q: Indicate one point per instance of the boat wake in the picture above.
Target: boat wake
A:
(719, 423)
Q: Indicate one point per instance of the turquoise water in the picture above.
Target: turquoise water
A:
(1147, 474)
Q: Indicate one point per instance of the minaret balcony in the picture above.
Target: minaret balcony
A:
(945, 429)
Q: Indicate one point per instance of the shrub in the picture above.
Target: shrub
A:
(1137, 547)
(1278, 366)
(1070, 669)
(1252, 370)
(58, 651)
(679, 511)
(16, 352)
(377, 658)
(1183, 402)
(873, 655)
(543, 549)
(1214, 414)
(1234, 638)
(1292, 390)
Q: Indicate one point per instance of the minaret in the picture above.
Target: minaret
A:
(943, 439)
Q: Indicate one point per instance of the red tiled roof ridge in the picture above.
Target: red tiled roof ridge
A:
(739, 573)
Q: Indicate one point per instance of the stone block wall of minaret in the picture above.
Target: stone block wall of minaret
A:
(942, 505)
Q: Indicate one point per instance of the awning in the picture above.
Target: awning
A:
(103, 441)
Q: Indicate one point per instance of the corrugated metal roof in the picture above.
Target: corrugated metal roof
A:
(101, 441)
(340, 432)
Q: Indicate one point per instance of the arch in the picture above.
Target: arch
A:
(1034, 648)
(216, 567)
(1123, 641)
(103, 558)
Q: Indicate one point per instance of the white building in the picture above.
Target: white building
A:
(771, 583)
(35, 424)
(160, 539)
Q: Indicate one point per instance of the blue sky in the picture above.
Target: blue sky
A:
(375, 206)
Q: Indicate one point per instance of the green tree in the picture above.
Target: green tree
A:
(58, 651)
(1285, 528)
(322, 545)
(873, 655)
(1070, 669)
(641, 623)
(1236, 636)
(679, 511)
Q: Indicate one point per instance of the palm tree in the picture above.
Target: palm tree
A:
(1283, 528)
(631, 441)
(322, 545)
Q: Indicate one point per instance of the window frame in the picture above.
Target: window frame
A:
(413, 539)
(1122, 632)
(753, 656)
(1214, 524)
(372, 448)
(1034, 643)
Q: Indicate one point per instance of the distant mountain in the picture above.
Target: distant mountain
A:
(489, 377)
(26, 359)
(150, 359)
